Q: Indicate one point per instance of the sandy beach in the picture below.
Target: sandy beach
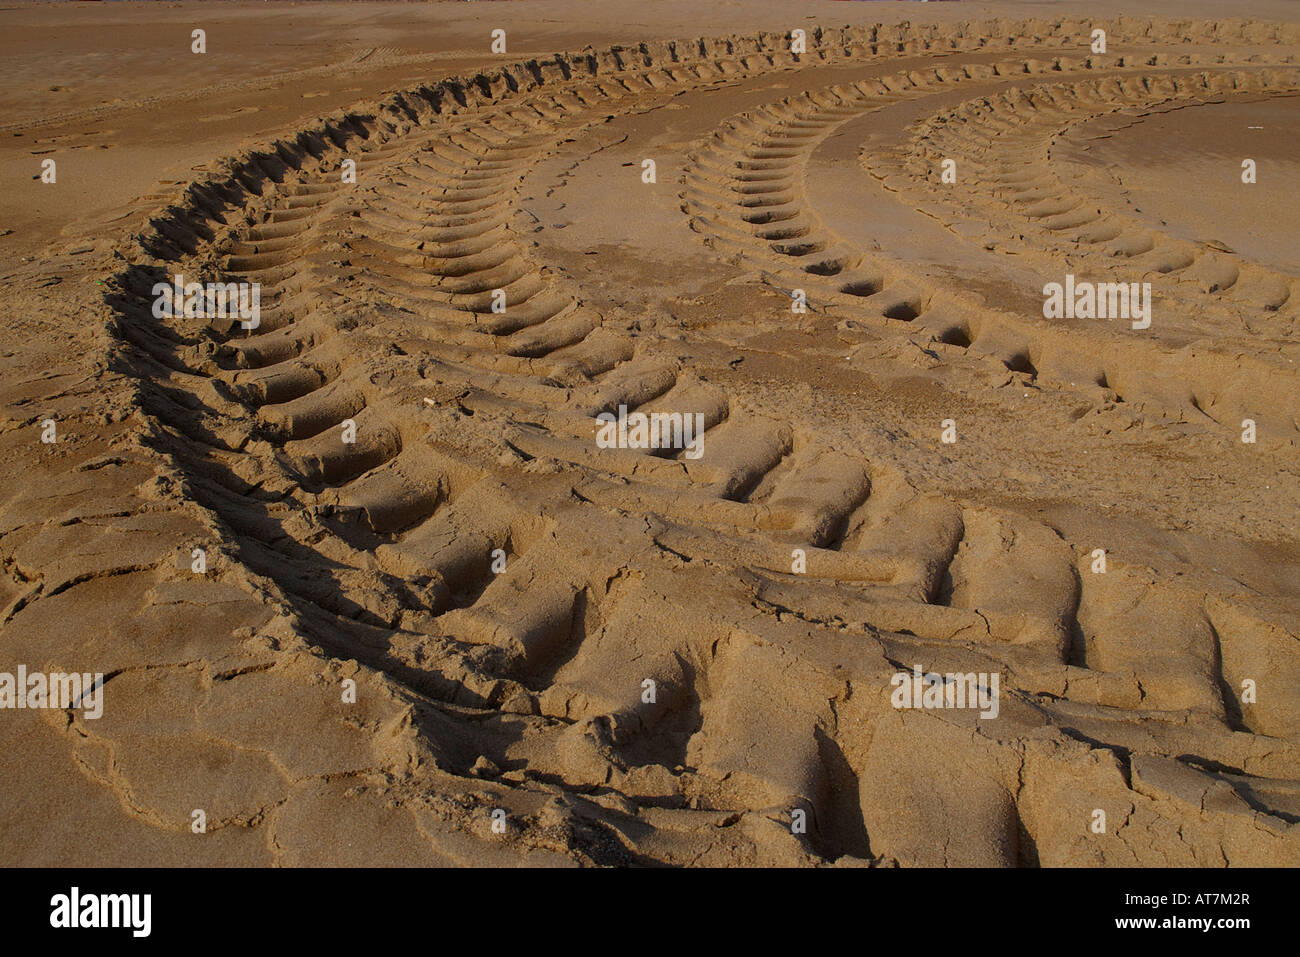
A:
(702, 434)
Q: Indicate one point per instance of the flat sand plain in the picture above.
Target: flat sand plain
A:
(367, 588)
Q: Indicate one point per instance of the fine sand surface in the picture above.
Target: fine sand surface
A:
(366, 588)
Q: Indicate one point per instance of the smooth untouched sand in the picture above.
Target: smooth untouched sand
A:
(436, 621)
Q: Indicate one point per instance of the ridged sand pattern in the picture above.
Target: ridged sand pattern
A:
(523, 689)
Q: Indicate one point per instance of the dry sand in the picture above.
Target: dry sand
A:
(473, 614)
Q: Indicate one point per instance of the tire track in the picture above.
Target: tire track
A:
(745, 194)
(474, 444)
